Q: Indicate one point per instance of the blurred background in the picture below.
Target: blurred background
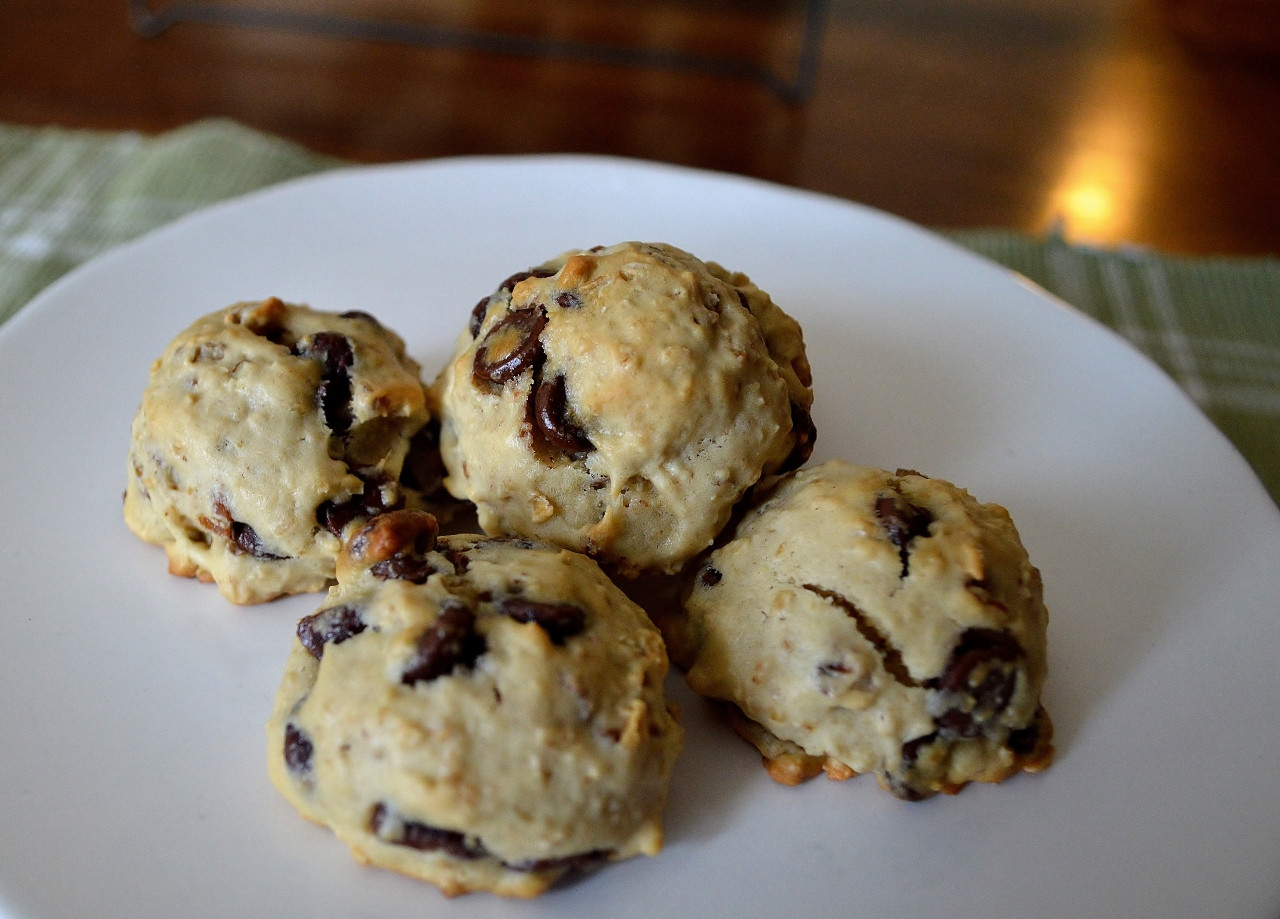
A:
(1147, 122)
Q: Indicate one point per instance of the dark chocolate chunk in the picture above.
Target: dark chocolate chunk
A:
(903, 521)
(511, 347)
(423, 468)
(298, 749)
(334, 516)
(392, 828)
(559, 620)
(980, 679)
(901, 782)
(550, 418)
(583, 861)
(510, 283)
(911, 749)
(245, 539)
(404, 566)
(450, 642)
(477, 316)
(333, 395)
(362, 315)
(329, 626)
(1024, 741)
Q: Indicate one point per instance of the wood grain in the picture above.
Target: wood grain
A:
(1120, 121)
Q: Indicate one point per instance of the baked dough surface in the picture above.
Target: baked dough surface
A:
(264, 431)
(863, 621)
(619, 401)
(484, 713)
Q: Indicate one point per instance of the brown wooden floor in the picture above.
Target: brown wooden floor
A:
(1127, 120)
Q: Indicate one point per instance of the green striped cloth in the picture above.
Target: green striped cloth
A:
(1212, 323)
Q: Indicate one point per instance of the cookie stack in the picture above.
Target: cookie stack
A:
(485, 710)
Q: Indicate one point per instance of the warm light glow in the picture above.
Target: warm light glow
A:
(1096, 195)
(1087, 205)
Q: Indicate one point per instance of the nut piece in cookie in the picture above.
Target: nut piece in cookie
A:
(620, 401)
(265, 432)
(483, 713)
(861, 621)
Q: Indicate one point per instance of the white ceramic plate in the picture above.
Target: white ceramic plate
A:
(132, 703)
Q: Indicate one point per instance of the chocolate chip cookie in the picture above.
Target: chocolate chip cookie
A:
(483, 713)
(266, 430)
(619, 401)
(862, 621)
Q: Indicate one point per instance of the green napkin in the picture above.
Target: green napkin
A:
(1213, 324)
(66, 196)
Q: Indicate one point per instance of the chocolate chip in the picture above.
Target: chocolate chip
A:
(330, 348)
(903, 521)
(709, 577)
(450, 642)
(329, 626)
(412, 567)
(362, 315)
(392, 828)
(550, 417)
(559, 620)
(245, 539)
(333, 395)
(334, 516)
(1024, 741)
(510, 283)
(477, 316)
(583, 861)
(911, 749)
(975, 648)
(568, 299)
(511, 347)
(298, 749)
(423, 468)
(902, 788)
(902, 781)
(979, 681)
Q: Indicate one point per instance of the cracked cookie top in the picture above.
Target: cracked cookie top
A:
(265, 431)
(868, 621)
(619, 401)
(484, 713)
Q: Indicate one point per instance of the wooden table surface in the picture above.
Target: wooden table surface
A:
(1154, 122)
